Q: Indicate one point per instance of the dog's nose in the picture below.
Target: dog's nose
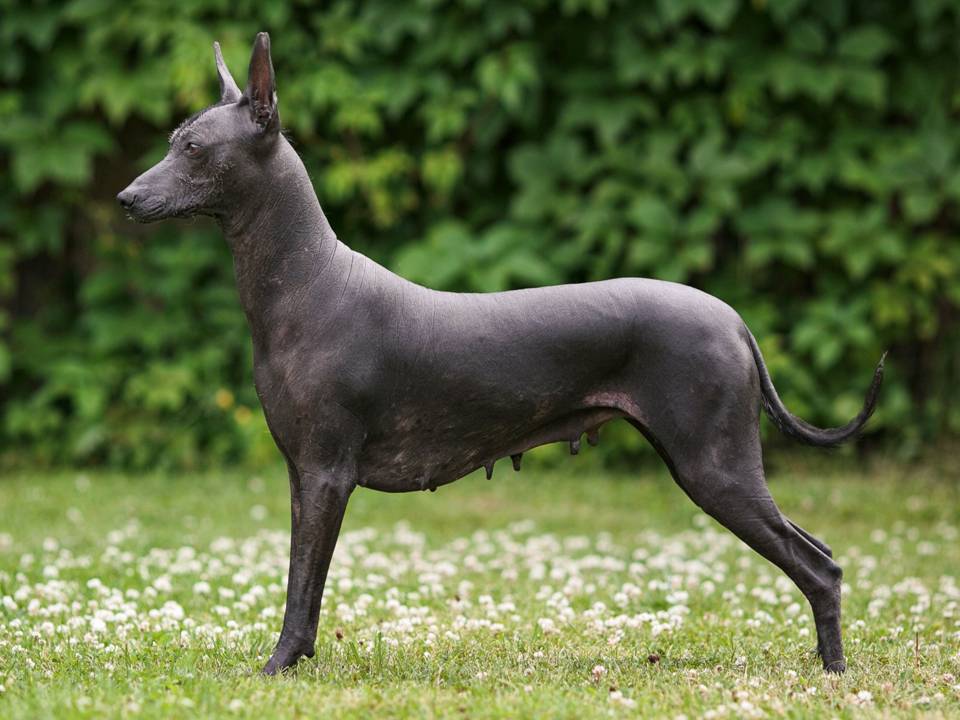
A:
(126, 199)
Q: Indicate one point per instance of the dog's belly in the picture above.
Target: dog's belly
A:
(424, 460)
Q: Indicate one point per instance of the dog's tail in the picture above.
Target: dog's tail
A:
(791, 425)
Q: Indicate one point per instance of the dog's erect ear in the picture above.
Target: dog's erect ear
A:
(229, 90)
(261, 92)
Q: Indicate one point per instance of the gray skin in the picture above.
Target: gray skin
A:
(368, 379)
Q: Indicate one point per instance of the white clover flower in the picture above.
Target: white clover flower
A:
(547, 626)
(172, 610)
(617, 698)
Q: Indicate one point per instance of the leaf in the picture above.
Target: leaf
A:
(651, 213)
(869, 87)
(717, 13)
(510, 75)
(807, 36)
(442, 169)
(921, 205)
(867, 43)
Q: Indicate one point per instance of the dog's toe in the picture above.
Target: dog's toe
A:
(838, 667)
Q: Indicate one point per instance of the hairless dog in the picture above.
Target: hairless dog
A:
(368, 379)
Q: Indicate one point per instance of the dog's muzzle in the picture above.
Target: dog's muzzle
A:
(140, 207)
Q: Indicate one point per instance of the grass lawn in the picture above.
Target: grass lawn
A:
(569, 593)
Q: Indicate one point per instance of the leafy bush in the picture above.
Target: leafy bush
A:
(797, 158)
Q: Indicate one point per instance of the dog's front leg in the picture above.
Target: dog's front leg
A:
(318, 499)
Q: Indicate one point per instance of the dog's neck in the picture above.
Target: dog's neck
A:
(281, 243)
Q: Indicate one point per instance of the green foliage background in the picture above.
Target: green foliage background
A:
(797, 158)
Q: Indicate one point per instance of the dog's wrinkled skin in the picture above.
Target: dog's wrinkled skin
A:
(367, 379)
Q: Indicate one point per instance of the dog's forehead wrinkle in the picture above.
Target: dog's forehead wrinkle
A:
(186, 123)
(196, 122)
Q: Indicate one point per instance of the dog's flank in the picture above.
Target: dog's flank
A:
(369, 380)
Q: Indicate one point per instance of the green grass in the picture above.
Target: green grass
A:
(478, 601)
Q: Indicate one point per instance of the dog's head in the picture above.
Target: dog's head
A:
(217, 156)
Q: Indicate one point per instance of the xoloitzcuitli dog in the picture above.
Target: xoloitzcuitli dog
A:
(368, 379)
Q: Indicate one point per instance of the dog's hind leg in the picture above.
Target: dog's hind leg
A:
(817, 543)
(318, 500)
(735, 494)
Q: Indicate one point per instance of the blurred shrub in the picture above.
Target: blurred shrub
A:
(797, 158)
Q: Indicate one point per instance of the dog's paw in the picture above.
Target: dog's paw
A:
(274, 666)
(837, 667)
(284, 658)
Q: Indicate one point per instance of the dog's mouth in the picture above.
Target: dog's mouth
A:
(148, 210)
(155, 209)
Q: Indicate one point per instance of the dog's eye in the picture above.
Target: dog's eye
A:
(192, 149)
